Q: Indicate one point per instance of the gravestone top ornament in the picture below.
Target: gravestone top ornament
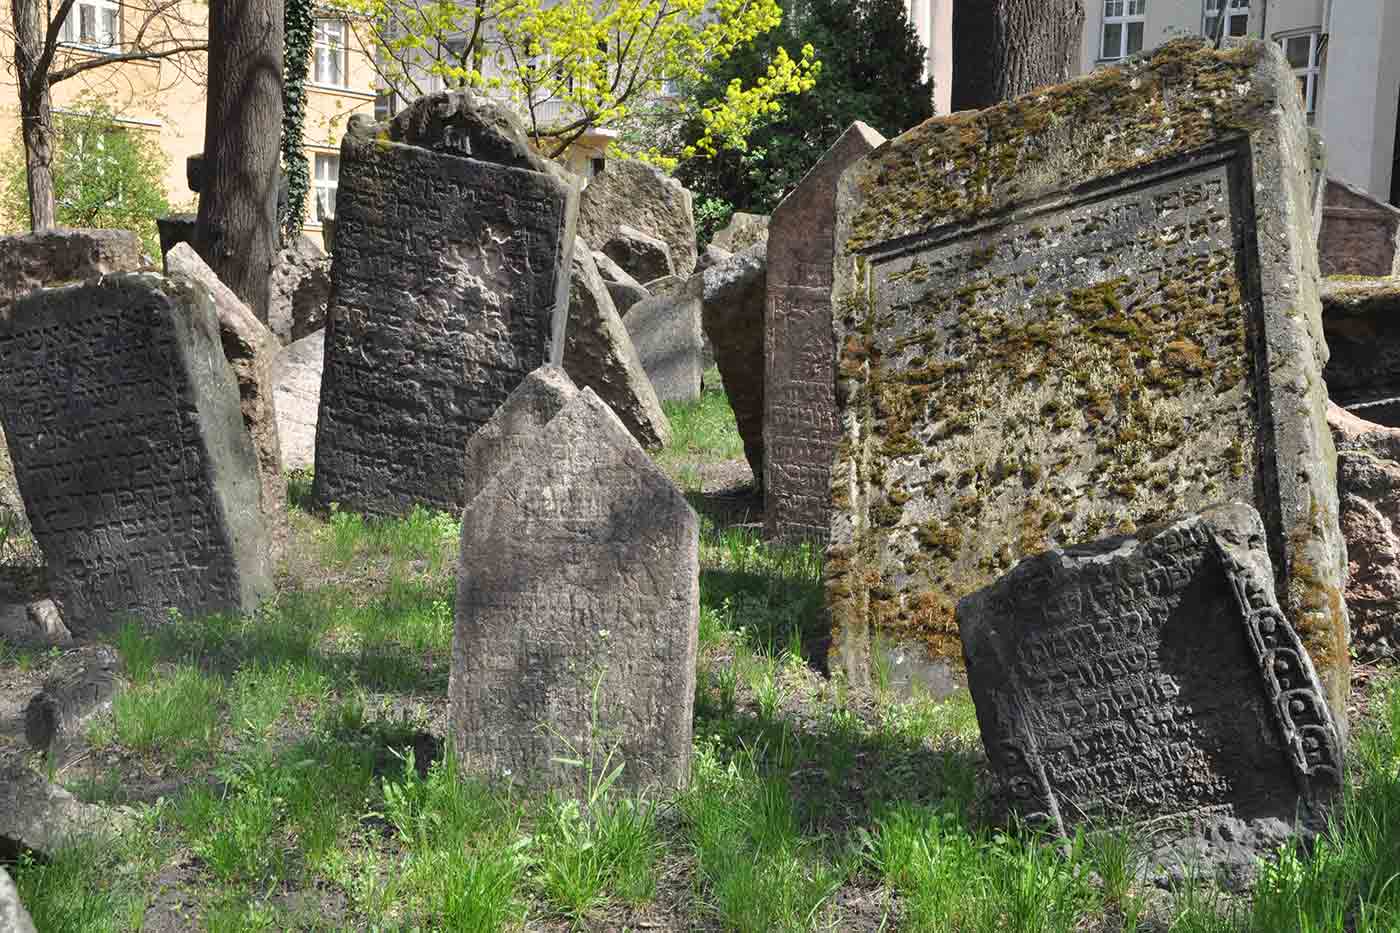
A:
(1137, 678)
(1072, 314)
(449, 283)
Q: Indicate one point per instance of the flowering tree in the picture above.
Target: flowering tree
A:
(569, 66)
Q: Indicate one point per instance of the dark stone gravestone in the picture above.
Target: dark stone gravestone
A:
(449, 283)
(1154, 677)
(1043, 336)
(577, 599)
(667, 334)
(799, 408)
(1361, 318)
(137, 472)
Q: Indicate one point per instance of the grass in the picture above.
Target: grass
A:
(702, 432)
(302, 788)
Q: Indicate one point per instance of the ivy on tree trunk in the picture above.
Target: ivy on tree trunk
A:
(300, 32)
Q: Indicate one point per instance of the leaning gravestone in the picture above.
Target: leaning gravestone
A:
(449, 283)
(1042, 336)
(137, 472)
(296, 393)
(1150, 678)
(577, 599)
(666, 332)
(799, 410)
(731, 314)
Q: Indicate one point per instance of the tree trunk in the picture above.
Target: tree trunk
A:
(36, 118)
(236, 232)
(1005, 48)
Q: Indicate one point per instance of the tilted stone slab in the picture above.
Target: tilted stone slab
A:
(666, 332)
(449, 283)
(1145, 678)
(732, 315)
(137, 472)
(799, 406)
(1360, 234)
(1043, 337)
(296, 392)
(598, 353)
(250, 349)
(577, 610)
(34, 260)
(1361, 318)
(515, 425)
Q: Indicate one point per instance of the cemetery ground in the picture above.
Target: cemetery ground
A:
(286, 771)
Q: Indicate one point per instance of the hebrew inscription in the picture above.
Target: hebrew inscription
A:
(577, 601)
(1139, 678)
(130, 451)
(446, 287)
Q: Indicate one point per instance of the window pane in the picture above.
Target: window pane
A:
(1112, 40)
(1213, 5)
(87, 23)
(1134, 37)
(1296, 49)
(109, 27)
(1112, 7)
(1137, 7)
(335, 76)
(1239, 24)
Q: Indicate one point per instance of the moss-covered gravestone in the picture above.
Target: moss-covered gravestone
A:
(1078, 312)
(450, 283)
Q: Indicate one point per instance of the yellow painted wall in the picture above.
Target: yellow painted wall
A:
(167, 100)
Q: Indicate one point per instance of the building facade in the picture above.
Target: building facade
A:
(1345, 53)
(165, 98)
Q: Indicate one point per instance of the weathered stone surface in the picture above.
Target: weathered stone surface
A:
(643, 257)
(13, 917)
(175, 229)
(34, 260)
(624, 296)
(296, 393)
(742, 231)
(644, 197)
(250, 349)
(666, 331)
(579, 579)
(799, 415)
(515, 425)
(138, 474)
(712, 256)
(1360, 234)
(301, 286)
(732, 315)
(611, 271)
(1368, 486)
(81, 688)
(35, 623)
(44, 817)
(598, 353)
(450, 282)
(1041, 337)
(1140, 679)
(47, 621)
(1361, 318)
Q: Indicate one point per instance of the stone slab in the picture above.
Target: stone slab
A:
(449, 283)
(732, 315)
(666, 332)
(642, 196)
(577, 610)
(1361, 318)
(250, 349)
(296, 393)
(1042, 338)
(1154, 679)
(1360, 234)
(139, 477)
(34, 260)
(13, 917)
(799, 405)
(598, 354)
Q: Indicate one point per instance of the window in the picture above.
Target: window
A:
(94, 23)
(597, 165)
(1236, 13)
(1304, 53)
(1123, 24)
(327, 178)
(330, 52)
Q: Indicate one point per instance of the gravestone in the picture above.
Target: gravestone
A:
(34, 260)
(641, 196)
(643, 257)
(1361, 318)
(799, 408)
(666, 332)
(1154, 677)
(515, 425)
(1043, 337)
(598, 353)
(577, 602)
(450, 282)
(296, 393)
(1360, 234)
(731, 312)
(137, 472)
(13, 917)
(250, 349)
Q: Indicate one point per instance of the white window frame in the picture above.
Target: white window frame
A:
(324, 182)
(1121, 13)
(1231, 10)
(71, 31)
(1311, 73)
(328, 32)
